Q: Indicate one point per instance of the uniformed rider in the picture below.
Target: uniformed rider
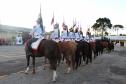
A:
(37, 34)
(64, 34)
(71, 34)
(77, 35)
(81, 34)
(56, 33)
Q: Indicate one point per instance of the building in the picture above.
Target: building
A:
(119, 39)
(8, 34)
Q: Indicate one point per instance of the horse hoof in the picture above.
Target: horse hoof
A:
(53, 80)
(26, 72)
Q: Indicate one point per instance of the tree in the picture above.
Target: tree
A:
(117, 27)
(102, 24)
(106, 33)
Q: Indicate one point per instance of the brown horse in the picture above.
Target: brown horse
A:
(47, 48)
(93, 46)
(68, 49)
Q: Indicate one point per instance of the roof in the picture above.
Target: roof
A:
(113, 37)
(7, 28)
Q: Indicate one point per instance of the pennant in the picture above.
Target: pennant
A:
(40, 19)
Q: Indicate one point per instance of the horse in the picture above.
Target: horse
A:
(83, 51)
(93, 46)
(47, 48)
(68, 49)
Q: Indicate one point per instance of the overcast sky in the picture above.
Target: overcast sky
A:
(24, 13)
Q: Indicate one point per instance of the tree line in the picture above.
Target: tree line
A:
(102, 24)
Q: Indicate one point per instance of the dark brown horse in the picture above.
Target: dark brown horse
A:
(47, 48)
(68, 49)
(84, 51)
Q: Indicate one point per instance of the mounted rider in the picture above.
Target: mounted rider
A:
(37, 34)
(71, 34)
(88, 35)
(77, 34)
(81, 34)
(64, 34)
(56, 33)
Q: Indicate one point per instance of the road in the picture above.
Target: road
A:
(12, 59)
(108, 68)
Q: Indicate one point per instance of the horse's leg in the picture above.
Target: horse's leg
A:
(87, 57)
(54, 75)
(45, 62)
(28, 61)
(77, 59)
(53, 65)
(69, 65)
(90, 54)
(94, 52)
(33, 63)
(59, 59)
(73, 61)
(84, 56)
(62, 58)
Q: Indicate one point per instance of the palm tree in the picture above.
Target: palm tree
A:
(102, 24)
(117, 27)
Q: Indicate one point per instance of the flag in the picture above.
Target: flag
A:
(88, 30)
(40, 19)
(63, 24)
(52, 21)
(74, 23)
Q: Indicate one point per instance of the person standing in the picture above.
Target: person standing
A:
(19, 40)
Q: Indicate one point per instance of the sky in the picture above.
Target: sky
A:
(24, 13)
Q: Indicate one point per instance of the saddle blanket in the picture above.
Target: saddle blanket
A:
(35, 45)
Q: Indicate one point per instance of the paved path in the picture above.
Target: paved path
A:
(12, 59)
(109, 68)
